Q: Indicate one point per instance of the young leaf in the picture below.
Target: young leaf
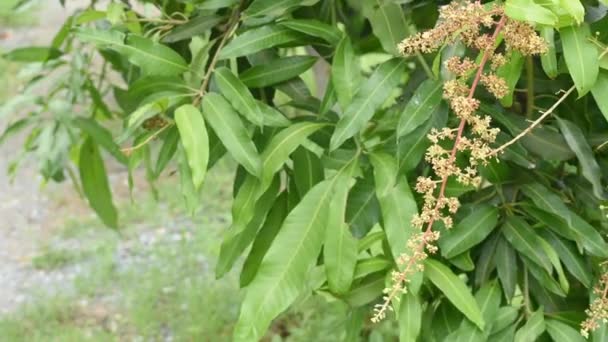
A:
(238, 95)
(389, 25)
(581, 57)
(578, 143)
(454, 289)
(95, 183)
(524, 239)
(469, 232)
(258, 39)
(410, 318)
(278, 70)
(231, 131)
(193, 134)
(533, 328)
(369, 98)
(421, 107)
(528, 10)
(345, 73)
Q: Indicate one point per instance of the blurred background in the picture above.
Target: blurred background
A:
(65, 277)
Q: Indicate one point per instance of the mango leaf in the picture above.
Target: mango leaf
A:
(366, 291)
(370, 265)
(307, 169)
(510, 72)
(524, 239)
(463, 261)
(153, 58)
(533, 328)
(258, 39)
(528, 10)
(101, 136)
(191, 196)
(410, 318)
(276, 71)
(283, 271)
(345, 72)
(505, 316)
(264, 239)
(195, 26)
(362, 208)
(231, 131)
(506, 266)
(581, 57)
(506, 335)
(454, 289)
(95, 183)
(549, 59)
(215, 4)
(389, 25)
(562, 332)
(315, 28)
(272, 116)
(238, 95)
(549, 284)
(262, 11)
(369, 98)
(574, 8)
(167, 151)
(570, 257)
(195, 140)
(32, 54)
(599, 90)
(469, 232)
(421, 107)
(557, 265)
(578, 143)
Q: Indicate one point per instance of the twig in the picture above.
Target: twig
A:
(129, 150)
(535, 123)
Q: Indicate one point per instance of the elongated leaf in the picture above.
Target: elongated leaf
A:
(314, 28)
(524, 239)
(469, 232)
(345, 72)
(505, 316)
(410, 318)
(369, 98)
(167, 150)
(95, 183)
(101, 136)
(371, 265)
(389, 25)
(195, 26)
(278, 70)
(362, 208)
(238, 95)
(510, 72)
(153, 58)
(195, 140)
(533, 328)
(599, 90)
(557, 265)
(454, 289)
(506, 265)
(528, 10)
(421, 107)
(570, 257)
(261, 11)
(283, 271)
(307, 169)
(581, 57)
(578, 143)
(191, 196)
(562, 332)
(231, 131)
(258, 39)
(548, 59)
(272, 116)
(32, 54)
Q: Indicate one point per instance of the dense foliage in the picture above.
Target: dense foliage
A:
(329, 122)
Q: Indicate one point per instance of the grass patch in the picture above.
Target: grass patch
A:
(54, 258)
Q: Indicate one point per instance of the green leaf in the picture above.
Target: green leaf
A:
(389, 25)
(345, 72)
(562, 332)
(264, 239)
(557, 265)
(215, 4)
(315, 28)
(258, 39)
(276, 71)
(362, 208)
(101, 136)
(549, 59)
(271, 116)
(371, 265)
(95, 183)
(574, 8)
(32, 54)
(581, 57)
(454, 289)
(570, 257)
(528, 10)
(238, 95)
(262, 11)
(506, 335)
(469, 232)
(307, 169)
(420, 108)
(533, 328)
(410, 318)
(231, 131)
(369, 98)
(195, 140)
(195, 26)
(524, 239)
(578, 143)
(167, 151)
(366, 291)
(506, 265)
(505, 316)
(599, 91)
(153, 58)
(191, 196)
(511, 72)
(463, 261)
(283, 271)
